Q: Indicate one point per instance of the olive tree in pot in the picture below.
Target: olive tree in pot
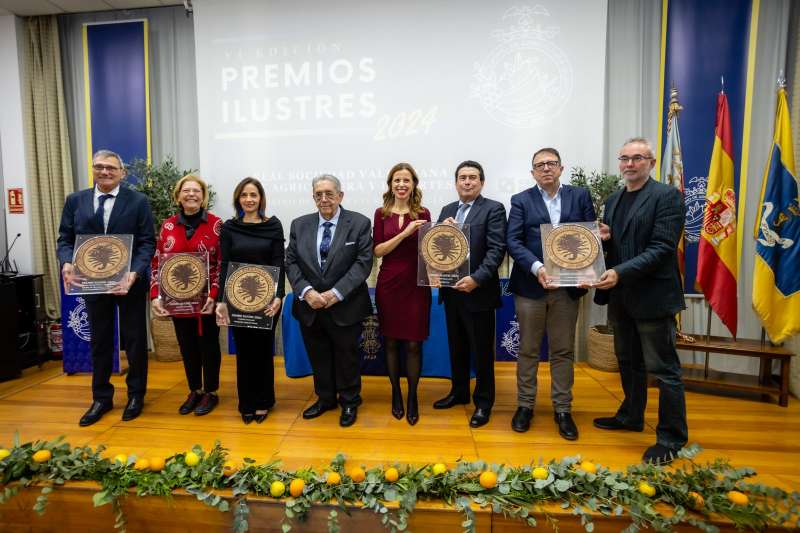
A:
(600, 340)
(156, 182)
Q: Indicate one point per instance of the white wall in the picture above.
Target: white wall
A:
(12, 139)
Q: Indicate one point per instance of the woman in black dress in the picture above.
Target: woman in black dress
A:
(254, 238)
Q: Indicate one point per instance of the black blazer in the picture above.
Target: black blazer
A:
(524, 238)
(347, 268)
(131, 215)
(487, 248)
(649, 284)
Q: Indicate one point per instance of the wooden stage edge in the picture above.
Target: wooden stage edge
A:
(45, 403)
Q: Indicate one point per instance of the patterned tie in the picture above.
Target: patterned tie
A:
(462, 209)
(99, 215)
(325, 243)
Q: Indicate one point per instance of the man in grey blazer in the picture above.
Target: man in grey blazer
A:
(470, 304)
(540, 306)
(642, 286)
(327, 263)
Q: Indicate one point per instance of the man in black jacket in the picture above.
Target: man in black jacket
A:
(642, 286)
(470, 304)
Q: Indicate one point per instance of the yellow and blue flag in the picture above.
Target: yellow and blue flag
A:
(776, 284)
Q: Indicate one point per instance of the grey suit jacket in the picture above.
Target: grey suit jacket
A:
(346, 270)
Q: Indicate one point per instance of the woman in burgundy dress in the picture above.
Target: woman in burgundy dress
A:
(403, 307)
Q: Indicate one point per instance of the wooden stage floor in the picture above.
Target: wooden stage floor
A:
(46, 403)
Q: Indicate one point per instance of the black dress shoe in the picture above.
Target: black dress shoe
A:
(612, 422)
(95, 413)
(207, 404)
(449, 401)
(659, 454)
(191, 402)
(480, 417)
(133, 409)
(317, 409)
(566, 426)
(348, 416)
(397, 404)
(413, 410)
(521, 422)
(261, 417)
(248, 418)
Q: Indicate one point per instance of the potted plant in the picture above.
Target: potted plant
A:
(600, 340)
(156, 181)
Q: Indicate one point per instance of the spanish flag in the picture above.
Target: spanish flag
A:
(717, 260)
(776, 283)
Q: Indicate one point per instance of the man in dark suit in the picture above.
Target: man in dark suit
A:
(540, 306)
(642, 224)
(470, 304)
(327, 263)
(111, 208)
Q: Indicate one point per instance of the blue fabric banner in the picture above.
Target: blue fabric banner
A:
(507, 330)
(704, 42)
(76, 336)
(117, 90)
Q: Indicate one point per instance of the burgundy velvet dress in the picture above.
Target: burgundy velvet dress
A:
(403, 308)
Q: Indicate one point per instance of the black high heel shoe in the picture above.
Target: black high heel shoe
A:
(248, 418)
(413, 410)
(397, 404)
(260, 417)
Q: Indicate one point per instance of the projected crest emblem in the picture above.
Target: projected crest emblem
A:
(526, 80)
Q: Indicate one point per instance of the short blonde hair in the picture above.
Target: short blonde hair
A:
(195, 178)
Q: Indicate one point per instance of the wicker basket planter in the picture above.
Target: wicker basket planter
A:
(600, 345)
(165, 343)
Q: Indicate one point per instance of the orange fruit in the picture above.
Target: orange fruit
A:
(157, 464)
(357, 474)
(333, 478)
(439, 469)
(540, 472)
(42, 456)
(391, 474)
(488, 479)
(696, 501)
(647, 489)
(296, 487)
(191, 459)
(276, 489)
(141, 464)
(588, 466)
(229, 468)
(738, 498)
(4, 453)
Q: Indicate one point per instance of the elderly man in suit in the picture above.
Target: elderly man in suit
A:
(642, 224)
(541, 307)
(109, 207)
(470, 304)
(327, 263)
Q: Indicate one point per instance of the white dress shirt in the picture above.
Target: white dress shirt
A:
(553, 205)
(107, 206)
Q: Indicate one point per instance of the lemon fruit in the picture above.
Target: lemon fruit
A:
(391, 474)
(357, 474)
(4, 453)
(42, 456)
(333, 478)
(191, 459)
(141, 464)
(588, 467)
(439, 469)
(296, 487)
(647, 489)
(121, 458)
(276, 489)
(488, 479)
(157, 464)
(738, 498)
(540, 472)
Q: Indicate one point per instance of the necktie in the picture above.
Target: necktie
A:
(325, 243)
(99, 215)
(462, 209)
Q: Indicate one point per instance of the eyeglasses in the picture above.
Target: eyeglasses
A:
(549, 164)
(624, 159)
(107, 168)
(328, 195)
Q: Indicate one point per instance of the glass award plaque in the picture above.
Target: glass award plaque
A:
(443, 254)
(572, 253)
(249, 290)
(100, 262)
(183, 282)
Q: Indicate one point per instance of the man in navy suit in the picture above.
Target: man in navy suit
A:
(109, 207)
(470, 304)
(642, 286)
(327, 263)
(541, 307)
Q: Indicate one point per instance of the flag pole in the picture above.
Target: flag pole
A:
(708, 338)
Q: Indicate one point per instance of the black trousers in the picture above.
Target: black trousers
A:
(133, 333)
(471, 334)
(333, 352)
(255, 373)
(201, 354)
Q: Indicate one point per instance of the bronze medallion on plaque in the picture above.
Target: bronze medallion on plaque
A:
(444, 247)
(183, 276)
(102, 257)
(572, 246)
(250, 289)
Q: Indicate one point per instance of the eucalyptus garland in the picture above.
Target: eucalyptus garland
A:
(688, 493)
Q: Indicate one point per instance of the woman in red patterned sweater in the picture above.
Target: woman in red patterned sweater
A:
(193, 229)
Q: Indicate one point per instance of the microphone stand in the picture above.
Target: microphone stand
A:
(6, 269)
